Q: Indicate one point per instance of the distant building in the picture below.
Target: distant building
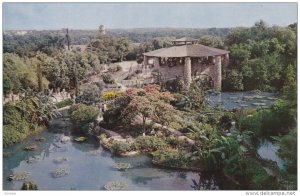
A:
(189, 60)
(102, 30)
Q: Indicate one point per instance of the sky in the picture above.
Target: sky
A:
(19, 16)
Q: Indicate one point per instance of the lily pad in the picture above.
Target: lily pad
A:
(259, 104)
(60, 172)
(122, 166)
(115, 186)
(31, 147)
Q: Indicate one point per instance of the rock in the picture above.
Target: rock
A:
(233, 97)
(115, 186)
(80, 139)
(65, 139)
(19, 176)
(243, 105)
(130, 154)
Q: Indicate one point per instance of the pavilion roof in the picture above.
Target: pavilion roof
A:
(192, 50)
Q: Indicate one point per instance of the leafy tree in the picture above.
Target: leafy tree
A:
(232, 81)
(149, 103)
(211, 41)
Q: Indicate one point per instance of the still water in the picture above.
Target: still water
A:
(91, 167)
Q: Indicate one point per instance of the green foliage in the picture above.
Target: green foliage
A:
(261, 54)
(288, 150)
(82, 114)
(257, 176)
(175, 86)
(212, 41)
(23, 118)
(37, 108)
(149, 103)
(29, 185)
(195, 98)
(91, 94)
(171, 158)
(108, 79)
(7, 85)
(21, 73)
(232, 81)
(114, 68)
(64, 103)
(149, 143)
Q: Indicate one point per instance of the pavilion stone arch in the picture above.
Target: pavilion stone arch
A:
(190, 61)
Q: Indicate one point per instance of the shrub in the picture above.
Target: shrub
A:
(64, 103)
(149, 143)
(171, 158)
(110, 95)
(175, 85)
(232, 81)
(257, 176)
(90, 94)
(121, 147)
(82, 114)
(14, 134)
(115, 68)
(108, 79)
(11, 115)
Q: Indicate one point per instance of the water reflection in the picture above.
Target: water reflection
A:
(206, 181)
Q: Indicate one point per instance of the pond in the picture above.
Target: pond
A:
(247, 99)
(91, 167)
(268, 150)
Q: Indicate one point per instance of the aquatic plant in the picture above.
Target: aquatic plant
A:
(60, 172)
(19, 176)
(29, 185)
(115, 186)
(122, 166)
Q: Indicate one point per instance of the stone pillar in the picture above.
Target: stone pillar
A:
(226, 60)
(145, 61)
(156, 62)
(187, 72)
(217, 75)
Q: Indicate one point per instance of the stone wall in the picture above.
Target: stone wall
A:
(171, 72)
